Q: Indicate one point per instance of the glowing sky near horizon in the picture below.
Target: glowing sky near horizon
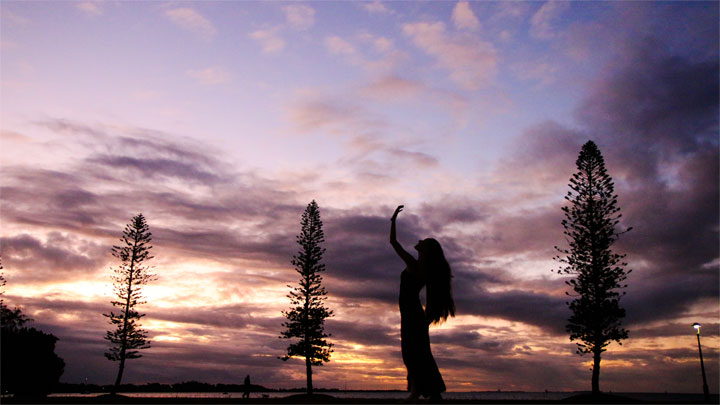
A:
(220, 121)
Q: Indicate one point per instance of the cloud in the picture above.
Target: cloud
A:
(363, 333)
(190, 20)
(396, 89)
(15, 137)
(65, 200)
(311, 111)
(473, 340)
(472, 63)
(299, 16)
(533, 308)
(156, 168)
(210, 75)
(269, 39)
(14, 18)
(138, 141)
(372, 53)
(91, 8)
(377, 7)
(337, 45)
(392, 87)
(543, 158)
(463, 17)
(668, 102)
(510, 10)
(415, 158)
(542, 22)
(542, 72)
(59, 257)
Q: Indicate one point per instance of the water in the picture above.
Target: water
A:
(485, 395)
(397, 395)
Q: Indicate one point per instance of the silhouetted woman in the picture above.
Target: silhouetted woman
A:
(432, 271)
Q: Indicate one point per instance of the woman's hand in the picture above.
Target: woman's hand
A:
(397, 211)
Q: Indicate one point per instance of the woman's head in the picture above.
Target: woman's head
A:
(432, 260)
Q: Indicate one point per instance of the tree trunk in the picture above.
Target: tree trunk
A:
(119, 376)
(308, 368)
(125, 321)
(596, 373)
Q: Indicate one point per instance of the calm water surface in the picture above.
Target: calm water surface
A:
(491, 395)
(484, 395)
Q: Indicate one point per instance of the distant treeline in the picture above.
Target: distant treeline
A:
(187, 386)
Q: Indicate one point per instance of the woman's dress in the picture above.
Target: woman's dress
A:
(415, 339)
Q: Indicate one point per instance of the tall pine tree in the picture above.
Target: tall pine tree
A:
(306, 317)
(590, 226)
(127, 337)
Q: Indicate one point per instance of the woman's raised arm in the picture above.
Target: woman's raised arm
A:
(407, 257)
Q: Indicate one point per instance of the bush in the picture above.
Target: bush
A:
(30, 366)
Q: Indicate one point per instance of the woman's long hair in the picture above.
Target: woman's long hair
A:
(440, 302)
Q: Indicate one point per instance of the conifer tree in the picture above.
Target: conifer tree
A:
(127, 337)
(590, 225)
(306, 317)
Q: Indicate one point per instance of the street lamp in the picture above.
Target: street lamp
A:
(706, 391)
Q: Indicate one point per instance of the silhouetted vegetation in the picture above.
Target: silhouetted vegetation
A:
(306, 318)
(130, 276)
(28, 363)
(590, 225)
(2, 284)
(185, 386)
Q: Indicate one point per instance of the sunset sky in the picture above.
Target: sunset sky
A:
(220, 121)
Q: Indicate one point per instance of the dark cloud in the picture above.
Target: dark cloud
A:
(61, 256)
(234, 316)
(675, 329)
(220, 243)
(60, 126)
(473, 340)
(543, 310)
(359, 248)
(363, 333)
(540, 159)
(453, 212)
(417, 158)
(510, 234)
(657, 117)
(666, 103)
(661, 297)
(134, 141)
(156, 168)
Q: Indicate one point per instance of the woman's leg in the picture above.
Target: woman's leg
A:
(413, 388)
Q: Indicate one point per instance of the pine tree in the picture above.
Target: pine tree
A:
(590, 226)
(306, 318)
(127, 337)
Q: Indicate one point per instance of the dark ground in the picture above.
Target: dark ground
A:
(314, 399)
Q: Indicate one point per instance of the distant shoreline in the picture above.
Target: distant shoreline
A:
(395, 397)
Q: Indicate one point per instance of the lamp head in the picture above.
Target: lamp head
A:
(697, 326)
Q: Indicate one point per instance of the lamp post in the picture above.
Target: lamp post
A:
(706, 391)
